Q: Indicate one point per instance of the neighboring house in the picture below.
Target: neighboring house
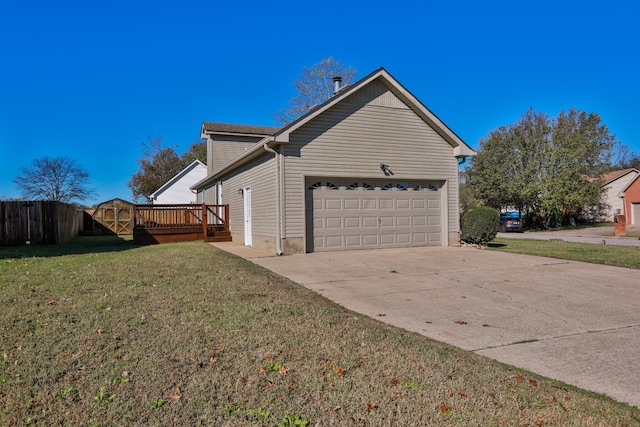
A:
(178, 189)
(619, 193)
(631, 198)
(372, 167)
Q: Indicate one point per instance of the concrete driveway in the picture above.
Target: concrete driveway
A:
(576, 322)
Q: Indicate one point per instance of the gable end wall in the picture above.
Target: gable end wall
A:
(351, 140)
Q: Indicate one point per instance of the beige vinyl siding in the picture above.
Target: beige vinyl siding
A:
(352, 140)
(222, 152)
(210, 195)
(260, 176)
(611, 193)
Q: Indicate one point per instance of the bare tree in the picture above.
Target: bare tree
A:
(57, 179)
(314, 86)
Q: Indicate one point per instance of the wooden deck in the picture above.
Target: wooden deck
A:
(180, 223)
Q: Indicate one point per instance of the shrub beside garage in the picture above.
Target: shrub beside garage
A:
(479, 225)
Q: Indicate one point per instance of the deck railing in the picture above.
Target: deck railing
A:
(206, 219)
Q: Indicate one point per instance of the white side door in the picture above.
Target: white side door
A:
(248, 241)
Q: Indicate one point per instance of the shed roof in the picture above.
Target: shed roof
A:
(114, 202)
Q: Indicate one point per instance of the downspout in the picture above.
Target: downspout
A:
(278, 207)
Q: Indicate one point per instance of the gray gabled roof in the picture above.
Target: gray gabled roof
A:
(234, 129)
(461, 149)
(281, 135)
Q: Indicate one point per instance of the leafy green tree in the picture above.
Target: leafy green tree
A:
(157, 165)
(58, 179)
(545, 167)
(314, 86)
(197, 151)
(580, 152)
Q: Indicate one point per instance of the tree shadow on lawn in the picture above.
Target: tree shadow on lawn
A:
(78, 245)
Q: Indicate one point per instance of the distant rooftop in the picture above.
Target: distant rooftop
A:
(611, 176)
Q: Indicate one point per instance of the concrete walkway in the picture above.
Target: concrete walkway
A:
(576, 322)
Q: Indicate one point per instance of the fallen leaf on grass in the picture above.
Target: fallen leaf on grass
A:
(176, 396)
(395, 381)
(51, 302)
(533, 383)
(283, 370)
(340, 371)
(371, 405)
(444, 408)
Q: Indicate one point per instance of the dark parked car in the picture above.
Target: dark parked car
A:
(510, 221)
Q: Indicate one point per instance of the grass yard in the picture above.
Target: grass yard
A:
(619, 256)
(99, 332)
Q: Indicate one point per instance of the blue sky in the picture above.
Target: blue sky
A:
(91, 80)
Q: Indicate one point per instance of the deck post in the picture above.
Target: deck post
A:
(205, 214)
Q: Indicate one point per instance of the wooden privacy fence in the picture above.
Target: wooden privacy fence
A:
(38, 222)
(180, 223)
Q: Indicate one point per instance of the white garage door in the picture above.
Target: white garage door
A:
(635, 213)
(345, 215)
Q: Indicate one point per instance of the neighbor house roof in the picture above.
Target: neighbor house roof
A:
(613, 175)
(281, 136)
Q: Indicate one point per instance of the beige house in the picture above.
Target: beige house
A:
(615, 184)
(372, 167)
(178, 189)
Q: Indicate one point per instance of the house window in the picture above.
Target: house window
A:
(386, 187)
(401, 186)
(432, 187)
(315, 185)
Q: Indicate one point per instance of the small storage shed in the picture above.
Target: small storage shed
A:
(114, 216)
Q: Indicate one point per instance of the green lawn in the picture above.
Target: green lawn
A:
(619, 256)
(99, 332)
